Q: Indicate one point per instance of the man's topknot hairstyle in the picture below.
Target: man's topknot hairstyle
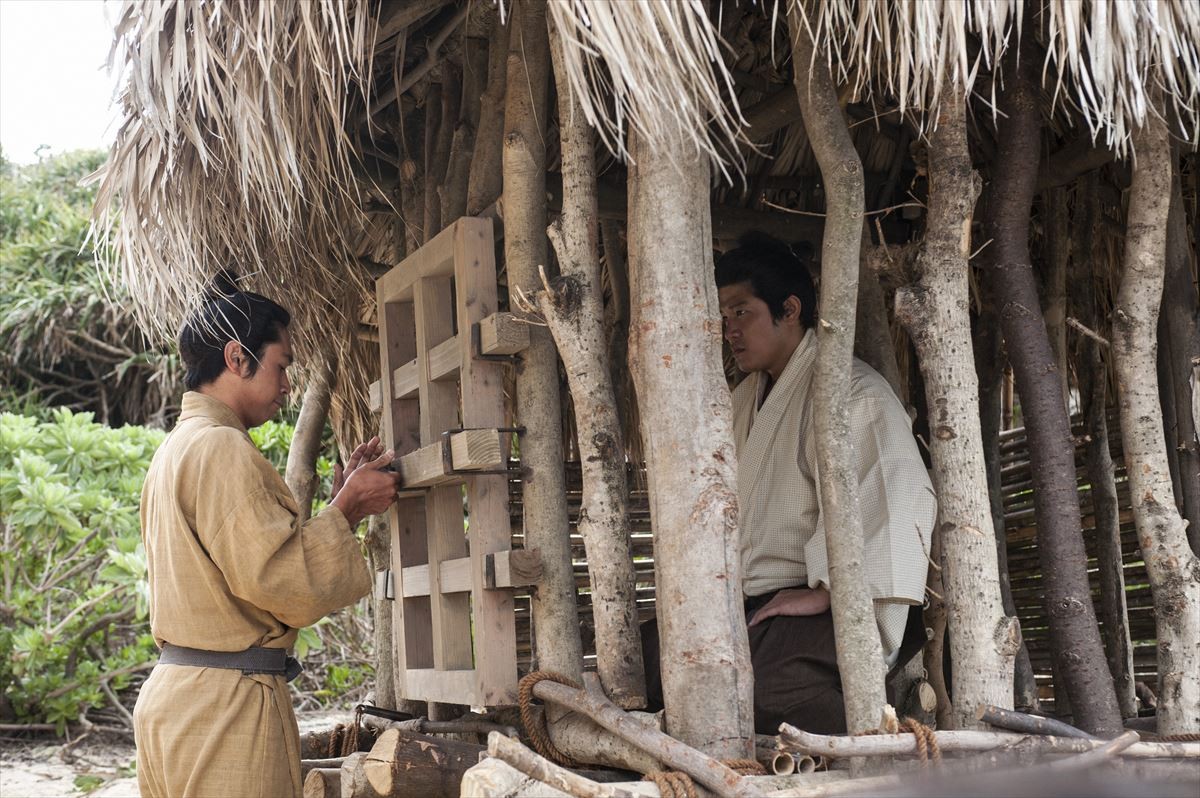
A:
(774, 270)
(228, 314)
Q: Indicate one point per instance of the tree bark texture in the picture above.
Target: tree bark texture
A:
(990, 367)
(555, 618)
(859, 654)
(379, 550)
(1056, 251)
(300, 473)
(1092, 374)
(1074, 635)
(1181, 310)
(1171, 564)
(934, 618)
(983, 638)
(458, 170)
(574, 309)
(873, 334)
(485, 185)
(687, 434)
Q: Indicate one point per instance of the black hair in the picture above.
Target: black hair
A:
(774, 270)
(228, 314)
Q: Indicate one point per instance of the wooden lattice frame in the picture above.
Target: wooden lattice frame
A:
(454, 626)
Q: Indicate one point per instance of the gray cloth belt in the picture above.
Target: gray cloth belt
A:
(255, 659)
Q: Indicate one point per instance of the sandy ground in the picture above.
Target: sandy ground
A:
(101, 768)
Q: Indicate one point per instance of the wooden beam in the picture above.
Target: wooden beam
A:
(406, 382)
(455, 578)
(470, 450)
(443, 361)
(514, 568)
(503, 334)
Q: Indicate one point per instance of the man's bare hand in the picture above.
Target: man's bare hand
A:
(795, 602)
(364, 452)
(368, 490)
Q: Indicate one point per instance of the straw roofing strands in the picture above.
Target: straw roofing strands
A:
(651, 66)
(1107, 52)
(234, 153)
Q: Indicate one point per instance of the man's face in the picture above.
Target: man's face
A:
(264, 393)
(759, 343)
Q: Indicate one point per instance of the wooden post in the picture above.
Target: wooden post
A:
(573, 308)
(555, 619)
(485, 183)
(687, 431)
(1074, 634)
(983, 639)
(859, 652)
(1171, 564)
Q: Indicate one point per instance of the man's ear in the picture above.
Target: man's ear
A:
(792, 308)
(235, 358)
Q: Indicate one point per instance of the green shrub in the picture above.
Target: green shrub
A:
(74, 631)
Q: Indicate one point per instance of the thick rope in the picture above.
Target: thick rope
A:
(1150, 737)
(927, 744)
(537, 732)
(677, 784)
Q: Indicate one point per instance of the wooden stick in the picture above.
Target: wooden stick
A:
(672, 753)
(835, 747)
(325, 764)
(545, 771)
(1095, 757)
(1029, 724)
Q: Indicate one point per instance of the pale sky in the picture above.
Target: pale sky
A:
(54, 89)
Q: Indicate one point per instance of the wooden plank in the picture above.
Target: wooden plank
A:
(416, 581)
(412, 619)
(471, 450)
(449, 686)
(434, 303)
(513, 568)
(406, 382)
(374, 397)
(456, 575)
(481, 383)
(443, 361)
(434, 259)
(503, 334)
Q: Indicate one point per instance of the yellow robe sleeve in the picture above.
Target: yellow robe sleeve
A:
(247, 521)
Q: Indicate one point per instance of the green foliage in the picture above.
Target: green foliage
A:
(74, 606)
(66, 336)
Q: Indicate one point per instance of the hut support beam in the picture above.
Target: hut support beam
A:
(674, 353)
(859, 653)
(555, 619)
(983, 638)
(1074, 635)
(1172, 566)
(574, 309)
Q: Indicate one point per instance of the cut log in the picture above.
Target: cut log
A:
(407, 763)
(470, 450)
(1032, 724)
(515, 568)
(323, 783)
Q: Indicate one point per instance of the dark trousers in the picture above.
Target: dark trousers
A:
(796, 678)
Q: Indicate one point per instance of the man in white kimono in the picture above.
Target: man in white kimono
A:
(768, 306)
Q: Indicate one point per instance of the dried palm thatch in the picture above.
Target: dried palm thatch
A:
(233, 153)
(1102, 56)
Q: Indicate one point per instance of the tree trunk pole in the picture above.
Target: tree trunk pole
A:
(1172, 566)
(555, 618)
(687, 433)
(859, 652)
(1180, 307)
(484, 185)
(300, 473)
(1093, 394)
(1057, 250)
(1074, 635)
(990, 368)
(575, 312)
(983, 639)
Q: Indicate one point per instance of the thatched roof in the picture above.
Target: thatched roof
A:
(268, 136)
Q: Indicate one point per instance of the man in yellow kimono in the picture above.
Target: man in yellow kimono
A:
(768, 306)
(233, 574)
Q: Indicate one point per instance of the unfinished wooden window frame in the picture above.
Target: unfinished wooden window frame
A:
(454, 623)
